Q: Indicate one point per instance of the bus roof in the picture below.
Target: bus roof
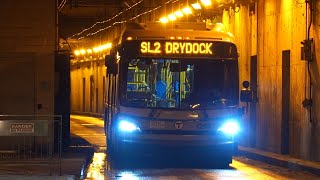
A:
(190, 31)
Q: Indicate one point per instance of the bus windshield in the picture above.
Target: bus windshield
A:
(179, 83)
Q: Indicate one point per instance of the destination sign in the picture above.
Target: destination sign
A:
(180, 49)
(176, 47)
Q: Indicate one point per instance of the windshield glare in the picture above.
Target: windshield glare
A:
(182, 84)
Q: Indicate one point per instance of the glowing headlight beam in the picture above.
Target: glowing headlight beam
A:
(230, 128)
(126, 126)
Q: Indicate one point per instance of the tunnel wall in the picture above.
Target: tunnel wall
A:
(27, 45)
(27, 51)
(88, 82)
(267, 30)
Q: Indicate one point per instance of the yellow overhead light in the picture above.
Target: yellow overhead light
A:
(82, 51)
(196, 6)
(89, 51)
(77, 52)
(164, 20)
(178, 13)
(171, 37)
(172, 17)
(129, 38)
(206, 2)
(95, 49)
(179, 37)
(187, 10)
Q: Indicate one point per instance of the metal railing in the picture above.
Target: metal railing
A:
(31, 140)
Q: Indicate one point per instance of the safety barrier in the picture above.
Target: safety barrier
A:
(31, 140)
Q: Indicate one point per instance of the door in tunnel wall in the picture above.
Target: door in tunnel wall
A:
(285, 102)
(83, 94)
(253, 109)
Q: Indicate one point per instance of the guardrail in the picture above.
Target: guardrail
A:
(31, 139)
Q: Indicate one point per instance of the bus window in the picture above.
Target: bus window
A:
(173, 83)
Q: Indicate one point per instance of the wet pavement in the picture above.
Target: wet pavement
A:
(87, 159)
(162, 167)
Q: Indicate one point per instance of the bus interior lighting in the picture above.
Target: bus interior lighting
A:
(129, 38)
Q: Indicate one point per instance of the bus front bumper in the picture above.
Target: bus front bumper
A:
(171, 143)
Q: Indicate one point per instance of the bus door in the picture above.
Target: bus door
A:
(111, 94)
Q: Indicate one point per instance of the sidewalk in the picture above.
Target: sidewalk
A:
(72, 165)
(280, 160)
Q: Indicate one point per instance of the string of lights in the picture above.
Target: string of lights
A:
(105, 21)
(62, 5)
(121, 22)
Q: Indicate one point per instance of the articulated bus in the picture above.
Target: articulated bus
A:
(172, 88)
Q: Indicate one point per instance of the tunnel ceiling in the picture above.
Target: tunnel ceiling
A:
(77, 15)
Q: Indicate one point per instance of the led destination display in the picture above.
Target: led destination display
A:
(183, 49)
(176, 47)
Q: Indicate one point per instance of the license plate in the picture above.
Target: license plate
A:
(157, 124)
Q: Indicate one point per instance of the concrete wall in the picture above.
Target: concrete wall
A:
(88, 80)
(278, 25)
(27, 44)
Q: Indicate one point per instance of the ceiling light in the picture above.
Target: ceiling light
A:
(89, 51)
(77, 52)
(172, 17)
(82, 51)
(178, 13)
(187, 10)
(164, 20)
(196, 6)
(206, 2)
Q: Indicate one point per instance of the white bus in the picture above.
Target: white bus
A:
(172, 88)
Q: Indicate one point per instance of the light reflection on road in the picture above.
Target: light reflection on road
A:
(97, 166)
(100, 168)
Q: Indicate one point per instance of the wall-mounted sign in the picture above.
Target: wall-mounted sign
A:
(21, 127)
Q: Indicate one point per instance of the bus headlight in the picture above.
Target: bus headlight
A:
(126, 126)
(230, 128)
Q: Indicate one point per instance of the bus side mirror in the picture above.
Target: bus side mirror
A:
(246, 94)
(110, 63)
